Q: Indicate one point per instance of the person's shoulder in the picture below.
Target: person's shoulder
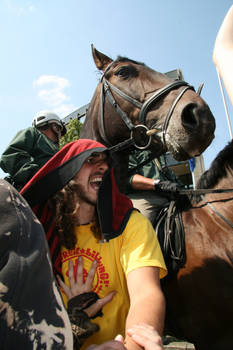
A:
(137, 218)
(32, 130)
(139, 228)
(136, 215)
(27, 131)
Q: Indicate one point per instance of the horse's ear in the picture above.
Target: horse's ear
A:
(101, 60)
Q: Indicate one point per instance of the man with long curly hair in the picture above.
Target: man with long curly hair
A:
(88, 221)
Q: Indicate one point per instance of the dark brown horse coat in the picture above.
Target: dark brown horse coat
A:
(200, 297)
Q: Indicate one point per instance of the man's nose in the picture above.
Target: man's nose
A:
(103, 165)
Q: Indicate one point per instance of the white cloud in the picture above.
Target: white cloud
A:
(53, 96)
(51, 92)
(20, 10)
(31, 8)
(59, 82)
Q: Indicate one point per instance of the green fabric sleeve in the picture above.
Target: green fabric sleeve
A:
(26, 154)
(16, 159)
(149, 170)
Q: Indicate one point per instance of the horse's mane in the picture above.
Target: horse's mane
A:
(218, 168)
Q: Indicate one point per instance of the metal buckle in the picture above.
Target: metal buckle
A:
(139, 136)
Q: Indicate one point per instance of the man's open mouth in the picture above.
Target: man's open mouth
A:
(96, 182)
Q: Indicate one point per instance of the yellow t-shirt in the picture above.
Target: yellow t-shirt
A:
(136, 247)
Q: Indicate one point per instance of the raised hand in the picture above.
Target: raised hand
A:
(78, 287)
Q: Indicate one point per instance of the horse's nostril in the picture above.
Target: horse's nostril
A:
(189, 117)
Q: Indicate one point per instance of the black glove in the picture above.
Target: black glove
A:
(171, 191)
(167, 186)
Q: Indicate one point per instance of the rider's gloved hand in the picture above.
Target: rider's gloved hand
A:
(167, 186)
(170, 190)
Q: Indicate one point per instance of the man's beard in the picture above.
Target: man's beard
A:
(83, 195)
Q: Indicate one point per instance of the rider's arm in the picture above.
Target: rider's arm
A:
(223, 52)
(145, 176)
(139, 182)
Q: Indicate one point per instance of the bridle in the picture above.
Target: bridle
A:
(141, 129)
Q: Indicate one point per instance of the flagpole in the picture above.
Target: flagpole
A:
(224, 102)
(193, 180)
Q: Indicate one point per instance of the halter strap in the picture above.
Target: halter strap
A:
(168, 117)
(157, 95)
(113, 102)
(130, 99)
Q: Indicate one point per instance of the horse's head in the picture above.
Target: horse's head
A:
(176, 117)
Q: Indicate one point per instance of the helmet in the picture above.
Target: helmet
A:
(45, 117)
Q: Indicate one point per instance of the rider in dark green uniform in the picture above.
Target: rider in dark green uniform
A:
(149, 186)
(31, 148)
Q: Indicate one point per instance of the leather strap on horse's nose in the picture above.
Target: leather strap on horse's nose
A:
(130, 99)
(168, 117)
(143, 107)
(157, 95)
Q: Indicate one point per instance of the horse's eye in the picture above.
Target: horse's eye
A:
(123, 72)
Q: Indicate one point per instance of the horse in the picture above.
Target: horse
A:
(200, 295)
(135, 106)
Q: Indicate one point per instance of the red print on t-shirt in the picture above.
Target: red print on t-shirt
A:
(102, 277)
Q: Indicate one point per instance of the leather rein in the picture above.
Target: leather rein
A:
(218, 213)
(141, 129)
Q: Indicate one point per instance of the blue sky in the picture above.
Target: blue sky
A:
(46, 60)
